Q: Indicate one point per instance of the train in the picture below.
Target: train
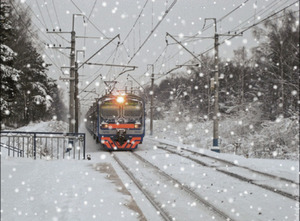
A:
(117, 121)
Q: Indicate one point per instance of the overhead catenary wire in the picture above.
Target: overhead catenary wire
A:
(94, 5)
(45, 3)
(84, 40)
(153, 30)
(244, 30)
(89, 20)
(211, 25)
(82, 90)
(33, 35)
(223, 17)
(134, 24)
(260, 12)
(207, 27)
(132, 29)
(45, 27)
(56, 14)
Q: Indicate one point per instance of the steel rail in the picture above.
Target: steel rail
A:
(239, 177)
(187, 189)
(156, 205)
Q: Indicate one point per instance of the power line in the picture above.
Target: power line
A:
(45, 3)
(32, 34)
(95, 2)
(261, 11)
(99, 70)
(56, 14)
(152, 31)
(246, 29)
(45, 29)
(222, 18)
(84, 40)
(135, 21)
(44, 25)
(89, 20)
(209, 26)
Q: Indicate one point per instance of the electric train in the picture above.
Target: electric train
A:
(117, 121)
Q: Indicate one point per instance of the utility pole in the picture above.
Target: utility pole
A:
(215, 86)
(77, 106)
(72, 120)
(151, 104)
(216, 147)
(76, 99)
(216, 100)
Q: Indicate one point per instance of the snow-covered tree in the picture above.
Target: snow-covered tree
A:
(9, 75)
(277, 58)
(27, 92)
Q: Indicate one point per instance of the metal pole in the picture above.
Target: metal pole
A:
(216, 105)
(83, 146)
(76, 98)
(72, 79)
(34, 146)
(151, 105)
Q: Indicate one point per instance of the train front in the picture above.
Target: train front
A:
(121, 120)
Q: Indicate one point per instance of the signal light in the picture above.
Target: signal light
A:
(120, 100)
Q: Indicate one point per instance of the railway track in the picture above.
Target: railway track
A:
(224, 165)
(164, 214)
(175, 183)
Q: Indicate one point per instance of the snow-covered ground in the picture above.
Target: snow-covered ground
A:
(100, 190)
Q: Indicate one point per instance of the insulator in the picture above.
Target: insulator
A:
(54, 45)
(60, 29)
(46, 29)
(53, 29)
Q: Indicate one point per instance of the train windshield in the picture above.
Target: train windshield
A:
(109, 110)
(132, 109)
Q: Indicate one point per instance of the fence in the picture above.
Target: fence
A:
(42, 144)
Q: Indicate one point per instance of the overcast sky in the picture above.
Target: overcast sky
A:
(109, 18)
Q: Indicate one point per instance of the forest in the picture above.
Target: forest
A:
(27, 93)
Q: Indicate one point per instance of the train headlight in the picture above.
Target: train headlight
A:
(137, 125)
(104, 125)
(120, 99)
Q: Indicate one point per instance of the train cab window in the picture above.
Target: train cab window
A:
(132, 109)
(109, 110)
